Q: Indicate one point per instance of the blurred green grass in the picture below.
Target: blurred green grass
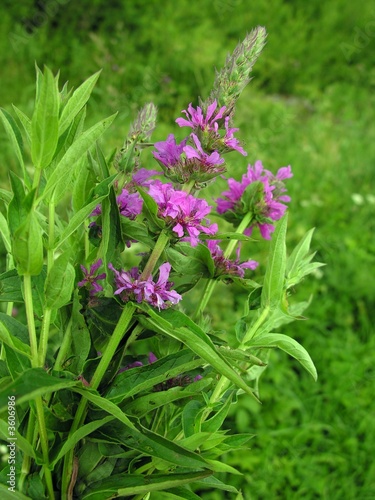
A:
(311, 105)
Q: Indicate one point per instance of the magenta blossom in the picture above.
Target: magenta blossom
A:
(260, 192)
(224, 266)
(91, 280)
(159, 293)
(169, 152)
(209, 162)
(182, 211)
(197, 120)
(130, 286)
(230, 141)
(130, 204)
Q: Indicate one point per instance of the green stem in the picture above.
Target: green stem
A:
(210, 285)
(44, 445)
(26, 462)
(65, 344)
(44, 334)
(38, 401)
(36, 180)
(255, 327)
(30, 320)
(51, 234)
(101, 369)
(155, 255)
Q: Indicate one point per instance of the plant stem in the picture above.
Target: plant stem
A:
(30, 320)
(26, 462)
(35, 364)
(44, 334)
(155, 254)
(211, 283)
(65, 344)
(109, 352)
(255, 327)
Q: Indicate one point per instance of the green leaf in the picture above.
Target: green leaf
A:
(11, 495)
(17, 210)
(25, 121)
(82, 214)
(227, 236)
(213, 483)
(27, 246)
(290, 346)
(45, 122)
(142, 405)
(63, 172)
(133, 230)
(15, 137)
(123, 431)
(131, 382)
(186, 259)
(22, 443)
(60, 282)
(190, 417)
(177, 325)
(14, 334)
(137, 484)
(31, 384)
(150, 210)
(74, 438)
(299, 262)
(273, 286)
(79, 98)
(4, 232)
(214, 423)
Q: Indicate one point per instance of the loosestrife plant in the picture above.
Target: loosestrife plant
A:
(118, 388)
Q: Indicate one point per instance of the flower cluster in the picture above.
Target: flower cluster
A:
(224, 266)
(184, 213)
(200, 160)
(260, 193)
(131, 286)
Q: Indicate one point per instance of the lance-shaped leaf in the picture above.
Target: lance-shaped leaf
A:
(4, 233)
(14, 334)
(131, 382)
(76, 102)
(32, 383)
(177, 325)
(290, 346)
(27, 246)
(136, 484)
(60, 282)
(124, 432)
(45, 122)
(15, 137)
(273, 286)
(63, 172)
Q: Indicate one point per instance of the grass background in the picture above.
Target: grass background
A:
(311, 105)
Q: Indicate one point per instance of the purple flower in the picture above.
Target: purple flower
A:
(142, 177)
(182, 211)
(91, 280)
(129, 286)
(226, 266)
(196, 120)
(157, 294)
(264, 201)
(130, 204)
(209, 162)
(230, 141)
(169, 152)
